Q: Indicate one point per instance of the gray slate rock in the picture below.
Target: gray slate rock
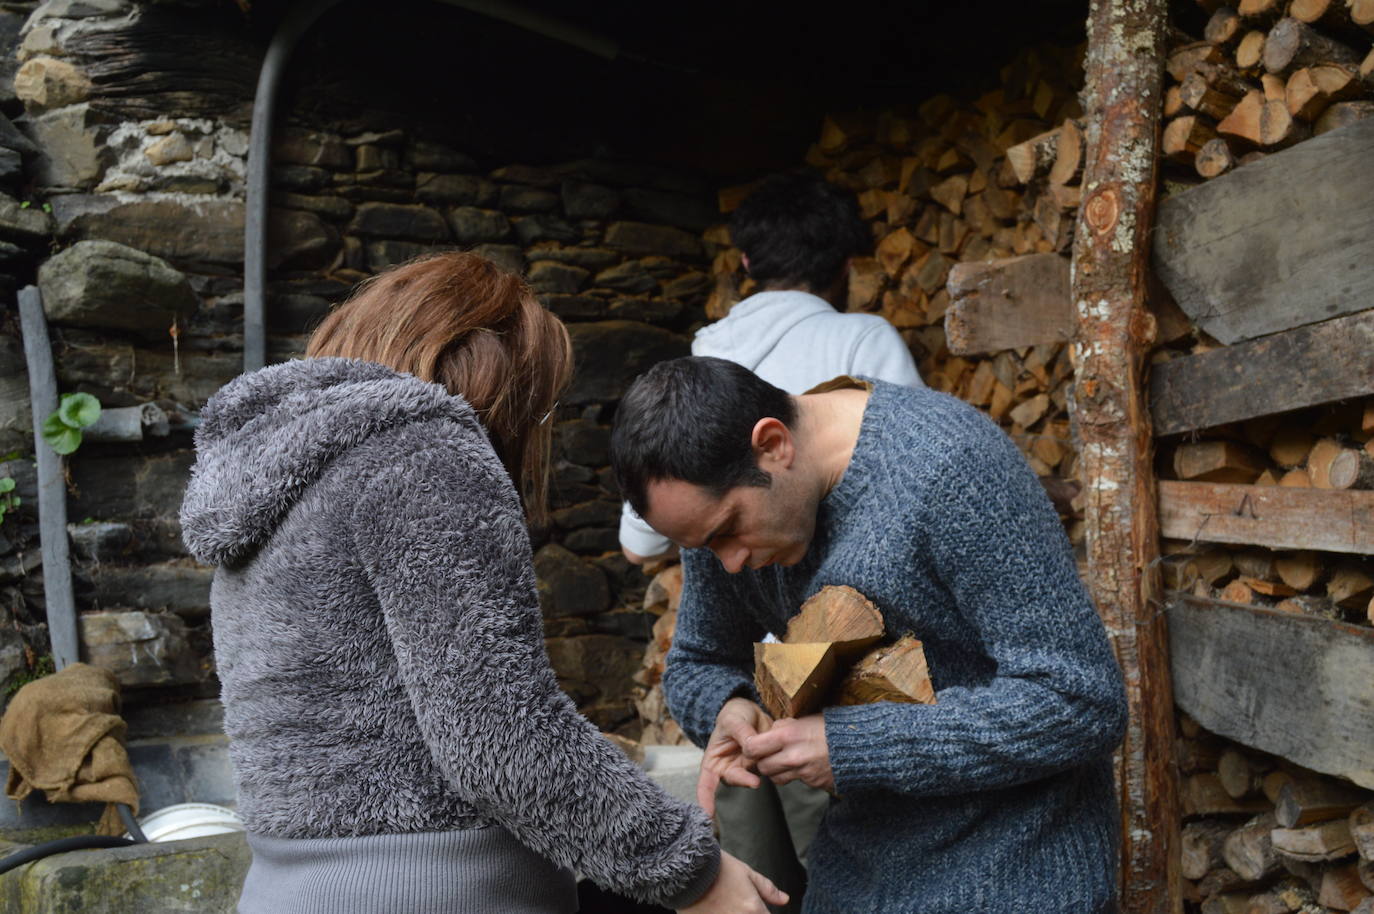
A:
(589, 201)
(506, 256)
(390, 220)
(630, 276)
(101, 541)
(72, 150)
(611, 354)
(466, 190)
(642, 238)
(110, 285)
(211, 231)
(549, 276)
(472, 225)
(545, 227)
(568, 586)
(24, 224)
(140, 648)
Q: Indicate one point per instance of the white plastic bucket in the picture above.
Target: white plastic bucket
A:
(189, 820)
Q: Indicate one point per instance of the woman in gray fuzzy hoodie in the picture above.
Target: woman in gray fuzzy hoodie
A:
(399, 740)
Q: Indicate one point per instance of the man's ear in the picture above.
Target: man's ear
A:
(774, 448)
(744, 261)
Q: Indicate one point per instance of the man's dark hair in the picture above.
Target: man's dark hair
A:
(693, 419)
(798, 231)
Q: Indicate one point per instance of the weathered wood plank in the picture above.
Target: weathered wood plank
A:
(1296, 686)
(1318, 364)
(1282, 242)
(1331, 520)
(1113, 333)
(1007, 304)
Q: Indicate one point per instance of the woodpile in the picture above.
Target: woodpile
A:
(1260, 80)
(949, 188)
(661, 598)
(1325, 448)
(1263, 835)
(832, 655)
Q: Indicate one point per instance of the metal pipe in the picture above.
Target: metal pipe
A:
(52, 489)
(298, 19)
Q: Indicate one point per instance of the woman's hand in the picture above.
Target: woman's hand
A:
(737, 890)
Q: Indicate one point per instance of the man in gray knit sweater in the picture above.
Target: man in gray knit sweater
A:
(999, 798)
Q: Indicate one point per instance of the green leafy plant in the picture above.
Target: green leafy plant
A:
(8, 500)
(42, 666)
(62, 430)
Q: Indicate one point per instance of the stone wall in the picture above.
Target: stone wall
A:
(131, 223)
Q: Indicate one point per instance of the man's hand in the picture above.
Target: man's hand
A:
(793, 749)
(737, 890)
(739, 720)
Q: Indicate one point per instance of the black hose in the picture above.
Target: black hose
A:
(77, 843)
(61, 845)
(131, 824)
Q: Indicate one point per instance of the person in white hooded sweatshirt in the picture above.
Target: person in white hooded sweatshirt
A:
(798, 235)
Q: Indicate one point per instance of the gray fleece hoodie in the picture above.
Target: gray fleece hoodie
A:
(384, 676)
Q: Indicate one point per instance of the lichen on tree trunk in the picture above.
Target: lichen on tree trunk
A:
(1123, 101)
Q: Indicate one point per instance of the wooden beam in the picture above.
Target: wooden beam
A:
(1321, 719)
(1279, 517)
(1007, 304)
(1283, 242)
(1111, 260)
(1303, 367)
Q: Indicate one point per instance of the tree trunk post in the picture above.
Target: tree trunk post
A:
(1123, 100)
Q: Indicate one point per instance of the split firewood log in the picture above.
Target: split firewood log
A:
(894, 672)
(837, 615)
(793, 679)
(1362, 830)
(1200, 847)
(1292, 44)
(1305, 800)
(1249, 851)
(1341, 888)
(1323, 841)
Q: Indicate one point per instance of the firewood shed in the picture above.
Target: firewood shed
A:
(1136, 233)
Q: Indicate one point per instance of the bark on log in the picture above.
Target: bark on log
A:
(1329, 840)
(893, 672)
(1307, 800)
(1249, 851)
(1293, 44)
(1362, 830)
(1124, 87)
(840, 616)
(1200, 847)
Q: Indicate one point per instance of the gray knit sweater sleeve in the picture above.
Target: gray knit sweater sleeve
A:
(712, 656)
(443, 542)
(987, 533)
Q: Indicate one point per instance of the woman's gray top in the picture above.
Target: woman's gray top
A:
(392, 715)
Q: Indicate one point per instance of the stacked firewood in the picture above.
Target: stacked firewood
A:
(835, 653)
(952, 184)
(1324, 448)
(661, 598)
(1267, 74)
(1263, 836)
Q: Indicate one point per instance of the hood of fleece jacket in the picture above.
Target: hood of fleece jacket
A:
(265, 437)
(754, 326)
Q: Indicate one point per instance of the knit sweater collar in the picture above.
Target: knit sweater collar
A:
(853, 485)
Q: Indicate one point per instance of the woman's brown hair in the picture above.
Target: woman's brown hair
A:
(459, 320)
